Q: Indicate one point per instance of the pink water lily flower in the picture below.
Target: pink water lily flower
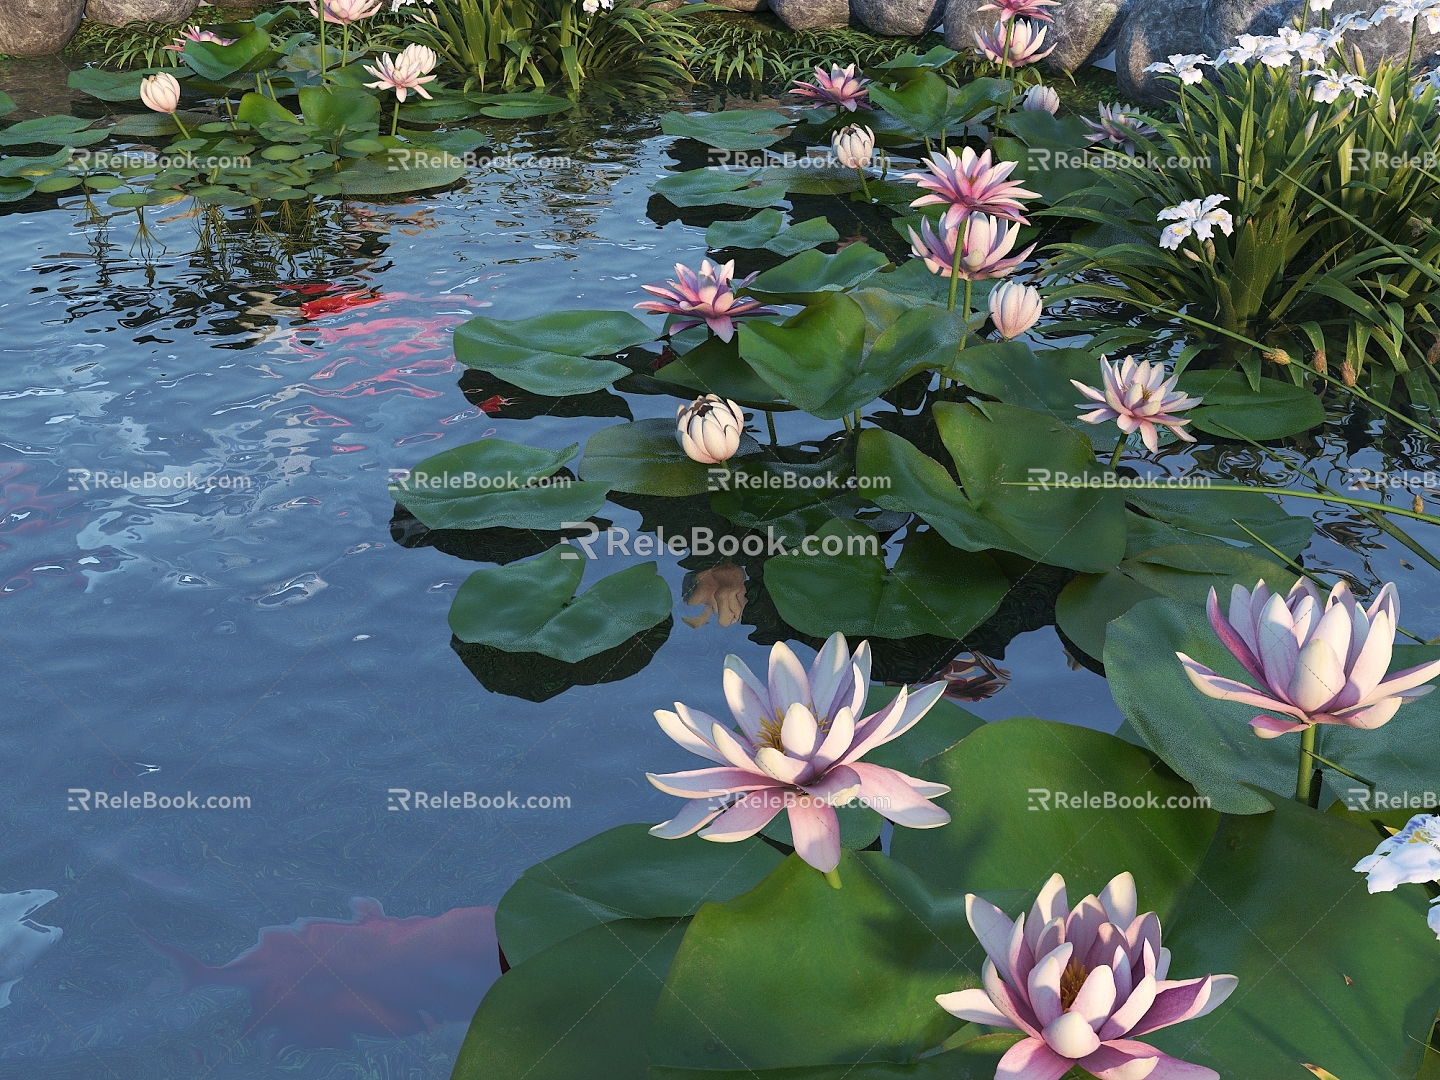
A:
(841, 87)
(798, 749)
(1082, 984)
(1016, 42)
(1021, 9)
(1120, 126)
(970, 181)
(984, 251)
(343, 12)
(1317, 661)
(1138, 397)
(405, 72)
(194, 33)
(707, 297)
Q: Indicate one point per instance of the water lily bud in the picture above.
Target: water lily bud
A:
(1318, 362)
(1041, 98)
(854, 146)
(1014, 308)
(708, 429)
(161, 92)
(1348, 374)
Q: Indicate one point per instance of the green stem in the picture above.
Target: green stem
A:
(1119, 450)
(1305, 776)
(864, 185)
(322, 44)
(955, 273)
(833, 877)
(770, 420)
(345, 46)
(395, 120)
(180, 124)
(1345, 772)
(858, 421)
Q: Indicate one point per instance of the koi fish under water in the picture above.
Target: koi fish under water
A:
(322, 981)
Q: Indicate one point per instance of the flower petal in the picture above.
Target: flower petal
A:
(1186, 1000)
(722, 781)
(816, 832)
(892, 795)
(1031, 1059)
(1125, 1059)
(1071, 1036)
(974, 1005)
(687, 736)
(692, 816)
(743, 820)
(993, 929)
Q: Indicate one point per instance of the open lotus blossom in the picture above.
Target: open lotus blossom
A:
(841, 87)
(1015, 42)
(854, 146)
(1082, 984)
(1120, 126)
(985, 249)
(160, 92)
(969, 181)
(1014, 308)
(709, 429)
(405, 72)
(707, 297)
(1041, 98)
(1021, 9)
(1137, 396)
(1184, 66)
(344, 12)
(1411, 856)
(1317, 661)
(798, 749)
(1200, 217)
(1329, 85)
(194, 33)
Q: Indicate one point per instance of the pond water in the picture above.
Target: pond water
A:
(246, 625)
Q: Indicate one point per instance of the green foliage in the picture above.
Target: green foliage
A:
(736, 46)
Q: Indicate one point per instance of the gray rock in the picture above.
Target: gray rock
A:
(899, 18)
(1152, 31)
(38, 27)
(812, 14)
(1225, 20)
(1082, 32)
(120, 12)
(743, 5)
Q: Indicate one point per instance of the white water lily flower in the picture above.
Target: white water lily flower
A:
(1330, 85)
(1198, 217)
(1411, 856)
(1184, 66)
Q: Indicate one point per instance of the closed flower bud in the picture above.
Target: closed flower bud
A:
(1014, 308)
(1433, 356)
(708, 429)
(1279, 356)
(1348, 374)
(1418, 505)
(854, 146)
(1318, 362)
(161, 93)
(1041, 99)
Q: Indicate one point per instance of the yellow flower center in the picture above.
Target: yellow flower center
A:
(1071, 980)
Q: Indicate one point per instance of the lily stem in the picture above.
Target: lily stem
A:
(865, 185)
(1119, 450)
(833, 877)
(1305, 778)
(770, 420)
(395, 120)
(180, 124)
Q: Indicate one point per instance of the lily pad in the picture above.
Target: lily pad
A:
(520, 106)
(1232, 408)
(643, 457)
(844, 585)
(497, 483)
(715, 367)
(549, 354)
(395, 172)
(767, 230)
(799, 279)
(54, 130)
(715, 187)
(733, 129)
(531, 606)
(624, 873)
(812, 355)
(116, 85)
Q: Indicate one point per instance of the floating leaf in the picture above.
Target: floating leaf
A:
(1232, 408)
(116, 85)
(496, 483)
(1090, 602)
(767, 230)
(715, 187)
(733, 129)
(55, 130)
(396, 172)
(624, 873)
(798, 280)
(548, 354)
(644, 458)
(520, 106)
(715, 367)
(933, 588)
(532, 607)
(812, 355)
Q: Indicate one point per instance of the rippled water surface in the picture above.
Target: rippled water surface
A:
(233, 616)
